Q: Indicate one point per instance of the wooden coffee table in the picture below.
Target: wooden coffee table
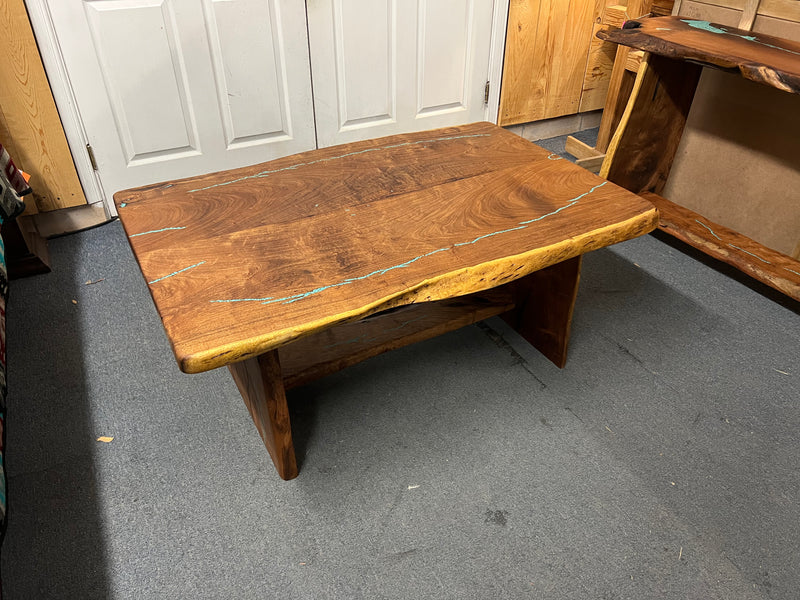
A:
(295, 268)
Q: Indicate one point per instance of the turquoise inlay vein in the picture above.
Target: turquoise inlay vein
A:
(123, 205)
(709, 228)
(244, 299)
(314, 162)
(557, 157)
(743, 250)
(315, 291)
(751, 38)
(297, 297)
(569, 204)
(707, 26)
(175, 273)
(488, 235)
(750, 253)
(156, 231)
(704, 25)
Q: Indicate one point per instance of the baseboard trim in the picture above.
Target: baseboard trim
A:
(548, 128)
(69, 220)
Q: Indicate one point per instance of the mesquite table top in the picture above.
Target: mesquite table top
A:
(244, 261)
(769, 60)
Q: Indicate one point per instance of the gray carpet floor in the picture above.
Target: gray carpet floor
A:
(662, 462)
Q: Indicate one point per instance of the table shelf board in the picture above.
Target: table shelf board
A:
(768, 266)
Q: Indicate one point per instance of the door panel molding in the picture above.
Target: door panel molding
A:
(249, 70)
(438, 61)
(151, 104)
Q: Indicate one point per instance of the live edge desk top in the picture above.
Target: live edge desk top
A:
(243, 262)
(247, 260)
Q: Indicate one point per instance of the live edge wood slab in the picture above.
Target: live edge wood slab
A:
(642, 150)
(761, 58)
(295, 268)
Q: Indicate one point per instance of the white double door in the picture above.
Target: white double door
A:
(174, 88)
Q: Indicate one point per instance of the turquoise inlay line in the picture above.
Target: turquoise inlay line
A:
(123, 204)
(314, 162)
(483, 237)
(175, 273)
(557, 157)
(522, 225)
(751, 38)
(742, 249)
(750, 253)
(156, 231)
(709, 228)
(706, 26)
(569, 204)
(296, 297)
(243, 299)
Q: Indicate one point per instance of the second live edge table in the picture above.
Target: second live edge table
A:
(296, 268)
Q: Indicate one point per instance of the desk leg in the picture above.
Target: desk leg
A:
(260, 382)
(545, 301)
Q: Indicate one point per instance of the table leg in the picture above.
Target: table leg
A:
(260, 382)
(545, 302)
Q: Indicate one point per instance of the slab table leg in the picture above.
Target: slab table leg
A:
(545, 302)
(260, 382)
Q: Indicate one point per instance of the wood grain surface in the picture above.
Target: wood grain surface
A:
(620, 81)
(640, 155)
(620, 86)
(777, 270)
(261, 385)
(547, 45)
(545, 319)
(248, 260)
(29, 123)
(599, 66)
(761, 58)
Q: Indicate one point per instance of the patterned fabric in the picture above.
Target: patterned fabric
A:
(12, 186)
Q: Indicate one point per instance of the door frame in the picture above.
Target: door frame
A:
(497, 50)
(61, 87)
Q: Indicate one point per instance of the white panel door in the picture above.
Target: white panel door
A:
(174, 88)
(390, 66)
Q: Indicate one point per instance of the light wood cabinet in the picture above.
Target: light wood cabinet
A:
(30, 127)
(554, 63)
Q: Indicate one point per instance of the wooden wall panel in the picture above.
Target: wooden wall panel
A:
(598, 72)
(29, 123)
(778, 27)
(710, 12)
(730, 12)
(547, 46)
